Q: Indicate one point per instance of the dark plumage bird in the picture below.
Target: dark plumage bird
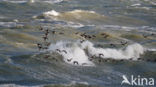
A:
(64, 51)
(100, 60)
(45, 47)
(122, 60)
(47, 43)
(83, 35)
(39, 46)
(152, 34)
(90, 59)
(155, 60)
(61, 33)
(45, 38)
(94, 56)
(77, 33)
(41, 28)
(58, 50)
(69, 60)
(46, 56)
(93, 36)
(82, 41)
(89, 37)
(105, 36)
(145, 36)
(53, 32)
(100, 55)
(76, 62)
(139, 59)
(47, 31)
(112, 45)
(123, 42)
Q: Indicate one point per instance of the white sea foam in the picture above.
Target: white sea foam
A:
(82, 51)
(51, 13)
(31, 1)
(13, 85)
(7, 24)
(137, 4)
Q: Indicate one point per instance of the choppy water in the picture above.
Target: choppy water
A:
(108, 22)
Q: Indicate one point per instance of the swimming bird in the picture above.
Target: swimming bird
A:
(121, 60)
(152, 34)
(47, 31)
(123, 42)
(58, 50)
(47, 43)
(81, 41)
(105, 36)
(69, 60)
(41, 28)
(61, 33)
(100, 60)
(93, 36)
(100, 55)
(76, 62)
(145, 36)
(53, 32)
(46, 56)
(90, 59)
(45, 38)
(89, 37)
(77, 33)
(155, 60)
(39, 46)
(139, 58)
(45, 47)
(93, 56)
(112, 45)
(64, 51)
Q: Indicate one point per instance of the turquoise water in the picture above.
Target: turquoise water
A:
(110, 21)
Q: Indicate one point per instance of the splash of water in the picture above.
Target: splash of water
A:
(81, 52)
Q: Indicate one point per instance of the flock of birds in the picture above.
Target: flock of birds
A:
(84, 37)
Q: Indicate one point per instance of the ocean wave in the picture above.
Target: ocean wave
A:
(82, 52)
(33, 1)
(8, 24)
(14, 85)
(74, 16)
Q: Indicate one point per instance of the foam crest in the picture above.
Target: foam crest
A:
(51, 13)
(81, 52)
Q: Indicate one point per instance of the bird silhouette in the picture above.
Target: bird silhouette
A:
(112, 45)
(41, 28)
(45, 38)
(58, 50)
(123, 42)
(76, 62)
(82, 41)
(39, 46)
(64, 51)
(100, 55)
(69, 60)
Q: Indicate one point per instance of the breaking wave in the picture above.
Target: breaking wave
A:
(82, 52)
(74, 16)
